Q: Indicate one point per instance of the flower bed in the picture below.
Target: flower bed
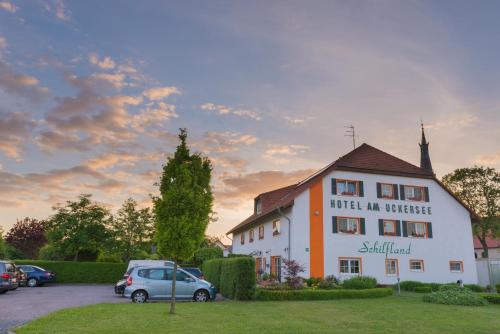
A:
(320, 294)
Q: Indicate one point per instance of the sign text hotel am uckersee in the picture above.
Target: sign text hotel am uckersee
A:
(384, 248)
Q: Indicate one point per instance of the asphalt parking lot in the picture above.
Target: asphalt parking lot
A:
(25, 304)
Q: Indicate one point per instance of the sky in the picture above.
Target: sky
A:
(92, 93)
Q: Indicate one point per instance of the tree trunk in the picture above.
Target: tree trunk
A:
(76, 256)
(485, 246)
(172, 300)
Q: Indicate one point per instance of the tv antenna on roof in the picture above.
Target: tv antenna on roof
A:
(351, 133)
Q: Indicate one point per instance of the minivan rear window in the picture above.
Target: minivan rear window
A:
(10, 268)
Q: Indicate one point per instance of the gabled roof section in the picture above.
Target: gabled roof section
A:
(364, 159)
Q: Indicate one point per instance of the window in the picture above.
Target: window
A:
(250, 236)
(413, 193)
(387, 190)
(456, 266)
(261, 232)
(389, 227)
(417, 265)
(260, 266)
(350, 265)
(276, 267)
(391, 267)
(346, 187)
(276, 227)
(258, 206)
(242, 238)
(155, 274)
(348, 225)
(417, 230)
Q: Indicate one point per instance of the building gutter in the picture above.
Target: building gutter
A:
(289, 229)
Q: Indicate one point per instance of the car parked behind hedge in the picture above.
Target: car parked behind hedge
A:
(37, 275)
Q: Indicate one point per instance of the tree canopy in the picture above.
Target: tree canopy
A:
(479, 188)
(27, 236)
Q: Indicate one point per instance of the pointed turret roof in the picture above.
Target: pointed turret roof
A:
(425, 158)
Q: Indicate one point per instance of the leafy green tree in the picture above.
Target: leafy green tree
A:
(479, 188)
(207, 253)
(132, 229)
(78, 230)
(184, 206)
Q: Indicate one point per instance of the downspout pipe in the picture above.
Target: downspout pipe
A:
(289, 230)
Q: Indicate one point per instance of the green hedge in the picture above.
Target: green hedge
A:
(211, 271)
(423, 289)
(237, 278)
(316, 294)
(475, 287)
(455, 295)
(81, 272)
(493, 298)
(360, 282)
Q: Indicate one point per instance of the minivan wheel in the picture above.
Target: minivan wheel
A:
(32, 282)
(201, 296)
(139, 296)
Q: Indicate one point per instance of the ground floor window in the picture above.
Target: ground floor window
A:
(350, 265)
(276, 267)
(456, 266)
(417, 265)
(391, 267)
(260, 266)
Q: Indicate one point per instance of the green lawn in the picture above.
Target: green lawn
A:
(406, 314)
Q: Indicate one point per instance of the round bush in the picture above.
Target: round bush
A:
(455, 295)
(360, 282)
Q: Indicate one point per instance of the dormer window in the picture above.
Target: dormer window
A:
(258, 206)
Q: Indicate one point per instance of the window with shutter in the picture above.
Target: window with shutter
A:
(348, 225)
(349, 188)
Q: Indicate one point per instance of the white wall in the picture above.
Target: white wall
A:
(451, 227)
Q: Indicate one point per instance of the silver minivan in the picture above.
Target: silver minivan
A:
(145, 283)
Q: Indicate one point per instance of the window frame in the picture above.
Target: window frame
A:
(358, 225)
(455, 262)
(261, 232)
(360, 265)
(251, 235)
(242, 238)
(422, 189)
(276, 227)
(396, 274)
(356, 192)
(416, 270)
(424, 236)
(391, 186)
(394, 223)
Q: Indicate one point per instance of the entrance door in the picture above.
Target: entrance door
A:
(276, 267)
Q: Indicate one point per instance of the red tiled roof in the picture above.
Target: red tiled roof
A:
(492, 243)
(364, 159)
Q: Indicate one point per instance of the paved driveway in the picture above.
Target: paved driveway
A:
(25, 304)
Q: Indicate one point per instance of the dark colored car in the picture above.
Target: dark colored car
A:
(37, 276)
(121, 284)
(196, 272)
(8, 279)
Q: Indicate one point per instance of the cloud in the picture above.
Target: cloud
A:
(105, 63)
(121, 158)
(3, 42)
(238, 190)
(294, 121)
(489, 159)
(225, 110)
(160, 93)
(116, 80)
(153, 115)
(15, 130)
(8, 6)
(279, 153)
(229, 163)
(61, 11)
(223, 142)
(454, 120)
(20, 84)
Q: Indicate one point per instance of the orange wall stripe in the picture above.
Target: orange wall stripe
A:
(316, 249)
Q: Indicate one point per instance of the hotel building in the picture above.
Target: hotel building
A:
(367, 213)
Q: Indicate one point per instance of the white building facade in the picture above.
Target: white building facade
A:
(369, 214)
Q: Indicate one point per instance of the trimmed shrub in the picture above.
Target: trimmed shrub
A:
(315, 294)
(475, 287)
(237, 278)
(455, 295)
(410, 285)
(360, 282)
(211, 271)
(423, 289)
(493, 298)
(81, 272)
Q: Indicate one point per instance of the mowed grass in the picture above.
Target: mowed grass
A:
(405, 314)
